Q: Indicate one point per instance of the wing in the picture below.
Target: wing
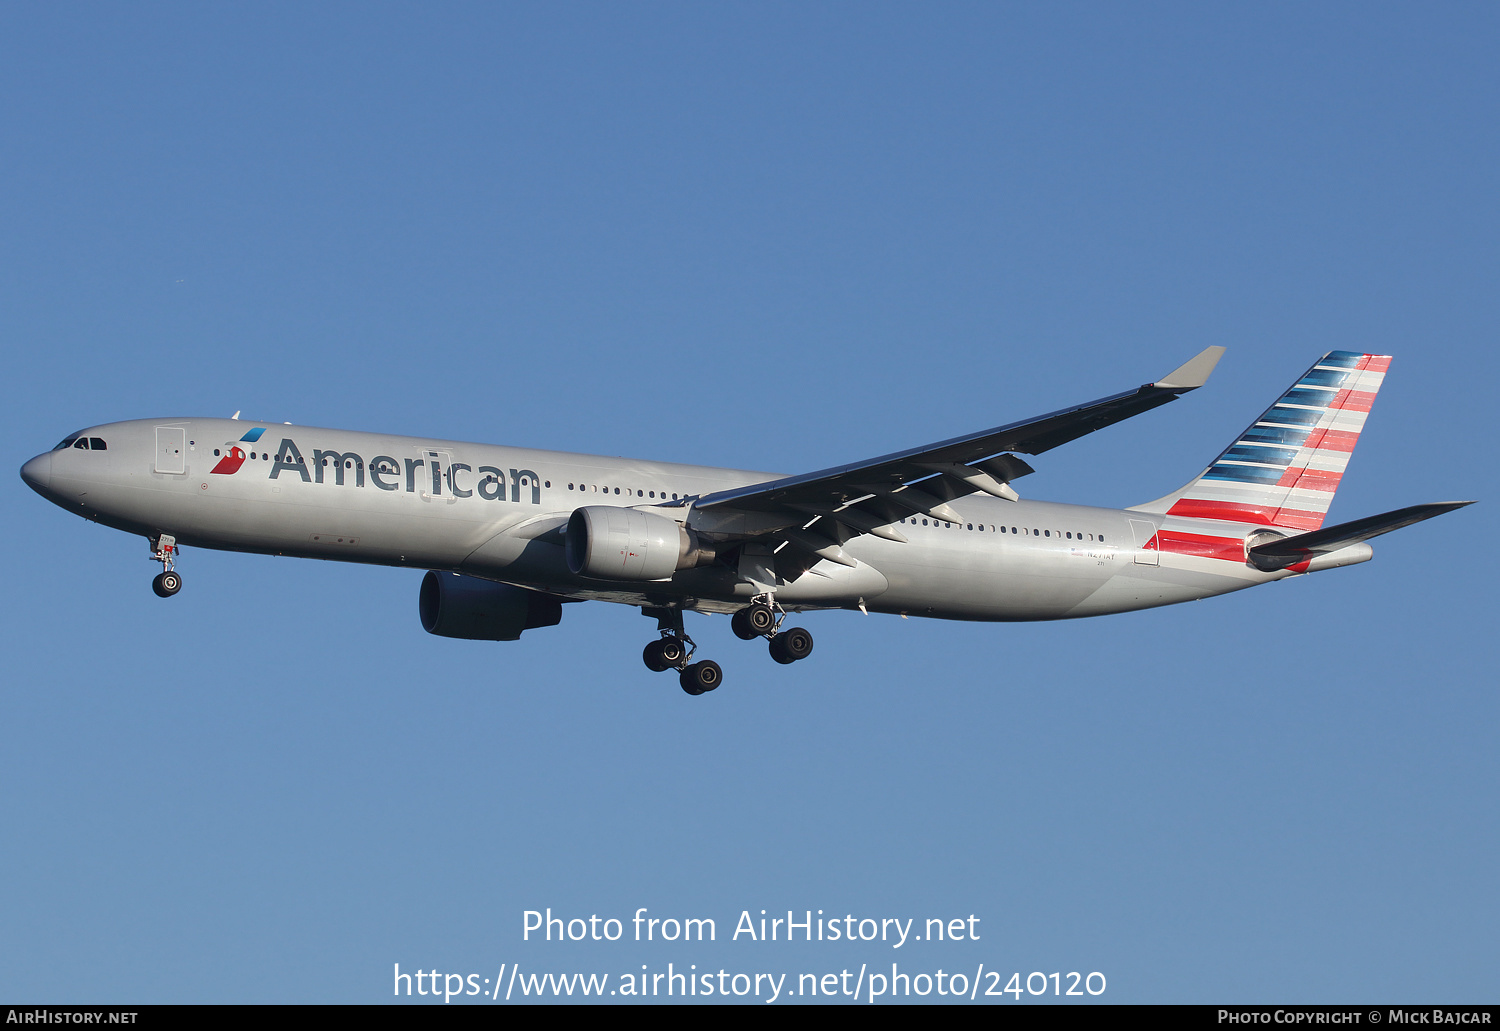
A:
(867, 497)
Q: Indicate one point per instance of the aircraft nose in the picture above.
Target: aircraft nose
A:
(38, 472)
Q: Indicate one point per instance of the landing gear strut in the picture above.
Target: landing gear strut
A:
(164, 550)
(674, 649)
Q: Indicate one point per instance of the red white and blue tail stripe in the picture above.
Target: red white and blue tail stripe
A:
(1284, 469)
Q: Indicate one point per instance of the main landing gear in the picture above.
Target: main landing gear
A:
(754, 620)
(794, 644)
(762, 618)
(701, 677)
(164, 550)
(674, 649)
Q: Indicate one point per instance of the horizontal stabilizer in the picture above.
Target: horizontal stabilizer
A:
(1288, 551)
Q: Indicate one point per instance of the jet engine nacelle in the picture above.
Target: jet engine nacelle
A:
(466, 607)
(608, 543)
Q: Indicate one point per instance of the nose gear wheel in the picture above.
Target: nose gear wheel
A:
(164, 550)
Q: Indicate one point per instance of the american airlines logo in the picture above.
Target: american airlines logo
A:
(231, 462)
(234, 456)
(435, 474)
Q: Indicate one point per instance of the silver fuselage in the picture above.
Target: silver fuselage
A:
(497, 512)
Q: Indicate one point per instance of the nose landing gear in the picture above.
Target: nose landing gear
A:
(164, 550)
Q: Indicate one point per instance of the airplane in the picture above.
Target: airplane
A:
(508, 535)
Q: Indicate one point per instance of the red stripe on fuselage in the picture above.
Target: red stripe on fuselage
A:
(1230, 549)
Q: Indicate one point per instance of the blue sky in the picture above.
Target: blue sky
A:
(762, 236)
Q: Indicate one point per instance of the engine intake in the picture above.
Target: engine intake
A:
(608, 543)
(472, 609)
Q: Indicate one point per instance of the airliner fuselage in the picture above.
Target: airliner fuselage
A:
(499, 512)
(510, 533)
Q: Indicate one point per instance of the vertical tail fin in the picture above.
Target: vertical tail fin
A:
(1284, 469)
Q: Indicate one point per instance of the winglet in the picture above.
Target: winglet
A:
(1193, 373)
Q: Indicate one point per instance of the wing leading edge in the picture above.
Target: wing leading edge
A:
(867, 497)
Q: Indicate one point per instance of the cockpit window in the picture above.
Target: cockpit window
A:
(83, 444)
